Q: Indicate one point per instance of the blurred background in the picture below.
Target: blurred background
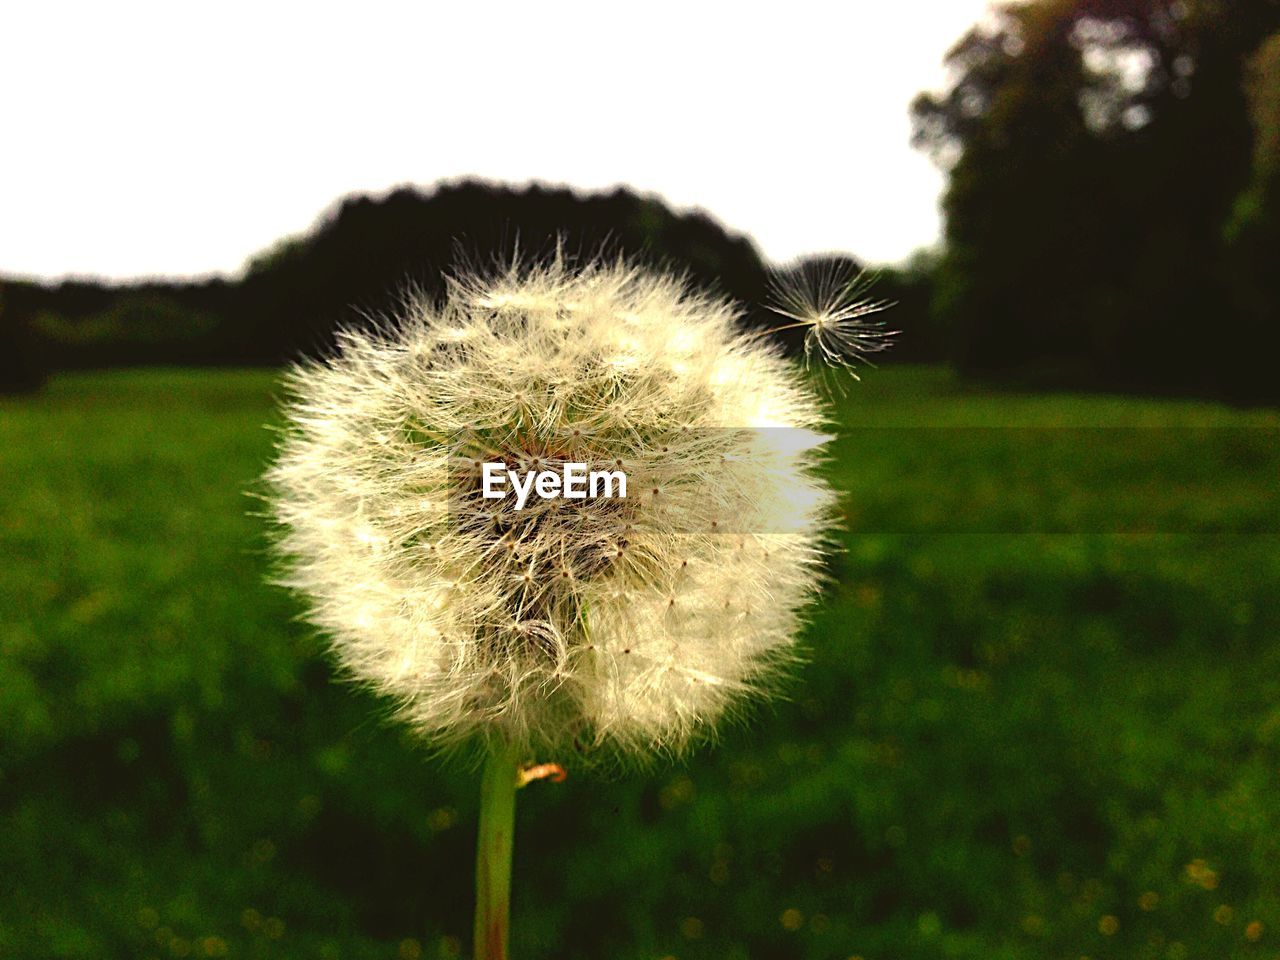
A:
(1040, 713)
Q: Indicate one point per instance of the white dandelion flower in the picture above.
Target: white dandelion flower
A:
(633, 622)
(630, 613)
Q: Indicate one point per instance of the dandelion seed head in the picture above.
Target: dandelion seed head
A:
(634, 623)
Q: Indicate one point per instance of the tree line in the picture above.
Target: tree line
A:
(1113, 201)
(1112, 218)
(356, 265)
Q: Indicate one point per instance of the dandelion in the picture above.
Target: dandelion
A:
(624, 625)
(827, 298)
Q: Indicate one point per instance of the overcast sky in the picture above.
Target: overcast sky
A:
(145, 139)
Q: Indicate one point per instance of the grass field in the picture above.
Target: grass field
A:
(1040, 715)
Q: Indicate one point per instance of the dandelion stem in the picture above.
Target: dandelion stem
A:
(493, 853)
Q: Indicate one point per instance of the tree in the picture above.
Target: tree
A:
(1253, 234)
(358, 261)
(21, 370)
(1094, 150)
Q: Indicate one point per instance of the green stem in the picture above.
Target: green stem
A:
(493, 853)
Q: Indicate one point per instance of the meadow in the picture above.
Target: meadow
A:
(1039, 715)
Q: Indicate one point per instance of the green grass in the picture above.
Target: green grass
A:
(1040, 717)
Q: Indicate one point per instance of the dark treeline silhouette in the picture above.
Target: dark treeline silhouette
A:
(80, 323)
(1111, 213)
(365, 254)
(357, 263)
(1112, 221)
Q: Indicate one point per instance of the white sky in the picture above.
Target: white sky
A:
(170, 139)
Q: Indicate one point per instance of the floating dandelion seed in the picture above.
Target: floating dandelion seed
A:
(828, 299)
(633, 623)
